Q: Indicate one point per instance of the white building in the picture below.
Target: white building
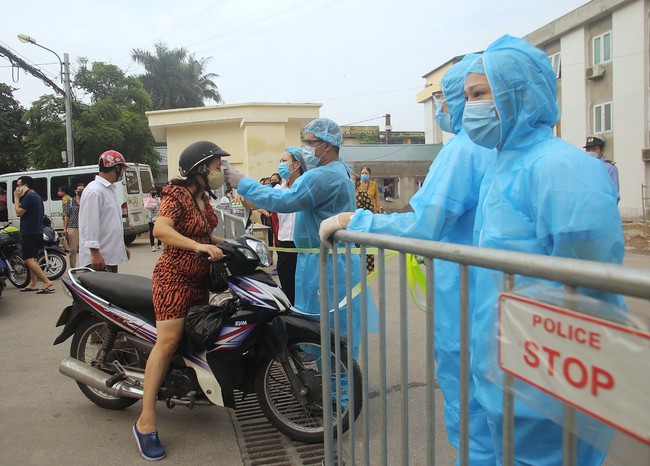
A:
(601, 53)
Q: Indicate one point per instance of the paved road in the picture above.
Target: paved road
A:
(47, 420)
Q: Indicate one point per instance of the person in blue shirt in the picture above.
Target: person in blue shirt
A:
(29, 207)
(444, 210)
(596, 148)
(542, 196)
(318, 194)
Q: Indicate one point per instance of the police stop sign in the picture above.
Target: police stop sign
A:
(597, 366)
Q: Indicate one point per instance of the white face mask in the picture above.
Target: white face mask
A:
(309, 154)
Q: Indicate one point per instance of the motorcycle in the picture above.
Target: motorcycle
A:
(16, 271)
(51, 259)
(3, 274)
(263, 346)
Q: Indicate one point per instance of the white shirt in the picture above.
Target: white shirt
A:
(100, 223)
(286, 222)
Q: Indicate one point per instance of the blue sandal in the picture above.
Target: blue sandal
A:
(149, 445)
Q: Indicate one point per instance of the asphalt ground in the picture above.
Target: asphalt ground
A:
(45, 419)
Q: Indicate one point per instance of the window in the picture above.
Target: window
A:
(602, 118)
(555, 63)
(388, 188)
(147, 182)
(40, 186)
(69, 181)
(132, 183)
(602, 48)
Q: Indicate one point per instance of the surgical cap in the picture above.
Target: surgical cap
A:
(296, 153)
(453, 87)
(524, 87)
(325, 130)
(477, 66)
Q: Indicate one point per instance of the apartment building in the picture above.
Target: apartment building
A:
(601, 55)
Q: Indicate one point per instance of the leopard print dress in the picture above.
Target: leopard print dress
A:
(180, 278)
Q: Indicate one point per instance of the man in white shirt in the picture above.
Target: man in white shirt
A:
(101, 237)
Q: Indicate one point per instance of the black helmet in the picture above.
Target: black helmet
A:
(197, 153)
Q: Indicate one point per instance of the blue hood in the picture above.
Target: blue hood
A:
(522, 88)
(453, 87)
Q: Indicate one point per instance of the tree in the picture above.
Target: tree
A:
(12, 132)
(114, 119)
(176, 79)
(45, 132)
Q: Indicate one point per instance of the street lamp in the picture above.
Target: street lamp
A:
(65, 78)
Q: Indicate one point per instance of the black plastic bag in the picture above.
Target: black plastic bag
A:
(217, 278)
(203, 323)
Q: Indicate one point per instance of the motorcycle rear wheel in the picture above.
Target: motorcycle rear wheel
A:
(55, 266)
(85, 346)
(279, 405)
(18, 273)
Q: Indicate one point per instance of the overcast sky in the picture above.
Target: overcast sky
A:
(360, 58)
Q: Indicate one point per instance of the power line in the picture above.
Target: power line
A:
(252, 23)
(363, 121)
(267, 29)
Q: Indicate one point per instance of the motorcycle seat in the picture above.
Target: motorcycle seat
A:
(129, 292)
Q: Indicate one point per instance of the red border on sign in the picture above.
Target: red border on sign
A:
(579, 316)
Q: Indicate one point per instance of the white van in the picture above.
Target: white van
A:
(135, 185)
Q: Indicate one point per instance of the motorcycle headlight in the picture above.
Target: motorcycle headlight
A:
(262, 251)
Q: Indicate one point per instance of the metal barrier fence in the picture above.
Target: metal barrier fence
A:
(230, 225)
(626, 281)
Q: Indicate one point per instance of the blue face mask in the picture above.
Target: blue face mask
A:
(365, 177)
(482, 124)
(309, 154)
(444, 121)
(284, 171)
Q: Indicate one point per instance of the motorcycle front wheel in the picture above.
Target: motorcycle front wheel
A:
(87, 342)
(18, 273)
(54, 266)
(280, 406)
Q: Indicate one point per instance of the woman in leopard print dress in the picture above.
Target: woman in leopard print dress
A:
(184, 225)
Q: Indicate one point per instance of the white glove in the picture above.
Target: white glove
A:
(234, 177)
(328, 227)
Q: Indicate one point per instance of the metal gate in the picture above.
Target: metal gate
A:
(357, 446)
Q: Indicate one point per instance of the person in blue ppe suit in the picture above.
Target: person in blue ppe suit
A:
(319, 193)
(444, 210)
(541, 195)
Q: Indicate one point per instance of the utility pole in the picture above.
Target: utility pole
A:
(68, 110)
(388, 128)
(67, 95)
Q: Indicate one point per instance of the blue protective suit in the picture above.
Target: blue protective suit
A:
(444, 210)
(543, 196)
(317, 194)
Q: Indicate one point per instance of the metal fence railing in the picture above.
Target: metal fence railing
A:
(403, 431)
(230, 225)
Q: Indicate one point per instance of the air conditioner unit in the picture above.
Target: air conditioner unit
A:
(645, 154)
(595, 72)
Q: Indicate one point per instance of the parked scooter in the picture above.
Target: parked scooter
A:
(263, 345)
(3, 275)
(51, 259)
(17, 272)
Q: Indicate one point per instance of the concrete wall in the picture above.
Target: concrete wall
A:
(573, 94)
(630, 97)
(255, 134)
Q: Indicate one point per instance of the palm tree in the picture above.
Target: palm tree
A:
(175, 79)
